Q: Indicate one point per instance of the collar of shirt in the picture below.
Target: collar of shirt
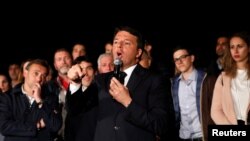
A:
(31, 99)
(192, 77)
(84, 88)
(74, 87)
(64, 84)
(219, 64)
(128, 71)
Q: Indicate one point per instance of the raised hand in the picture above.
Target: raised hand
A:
(75, 73)
(36, 92)
(119, 92)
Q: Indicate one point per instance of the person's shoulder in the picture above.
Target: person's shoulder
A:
(156, 76)
(223, 74)
(16, 90)
(52, 83)
(103, 75)
(3, 97)
(201, 71)
(175, 77)
(52, 86)
(102, 78)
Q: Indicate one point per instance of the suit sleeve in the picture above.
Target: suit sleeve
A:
(217, 113)
(49, 112)
(16, 122)
(80, 102)
(9, 125)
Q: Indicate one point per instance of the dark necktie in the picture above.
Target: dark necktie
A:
(122, 77)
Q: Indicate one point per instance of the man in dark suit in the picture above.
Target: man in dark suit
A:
(140, 109)
(216, 65)
(29, 112)
(81, 105)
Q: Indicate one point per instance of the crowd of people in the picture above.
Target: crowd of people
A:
(73, 100)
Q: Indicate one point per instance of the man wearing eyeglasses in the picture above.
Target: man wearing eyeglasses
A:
(186, 91)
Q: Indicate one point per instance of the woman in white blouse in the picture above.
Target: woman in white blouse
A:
(231, 98)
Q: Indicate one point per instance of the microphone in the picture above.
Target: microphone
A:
(117, 68)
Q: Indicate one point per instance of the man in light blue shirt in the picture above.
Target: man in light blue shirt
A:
(186, 92)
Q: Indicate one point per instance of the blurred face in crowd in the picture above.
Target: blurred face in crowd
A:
(145, 60)
(148, 48)
(4, 83)
(222, 44)
(183, 60)
(35, 73)
(125, 48)
(62, 62)
(108, 48)
(106, 64)
(239, 50)
(14, 71)
(88, 69)
(78, 50)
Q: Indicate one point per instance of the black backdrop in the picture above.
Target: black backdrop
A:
(37, 33)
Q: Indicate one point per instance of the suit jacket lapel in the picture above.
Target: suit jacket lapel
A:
(107, 77)
(136, 78)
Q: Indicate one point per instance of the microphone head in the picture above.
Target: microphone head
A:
(117, 68)
(117, 61)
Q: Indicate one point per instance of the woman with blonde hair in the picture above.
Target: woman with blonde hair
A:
(231, 97)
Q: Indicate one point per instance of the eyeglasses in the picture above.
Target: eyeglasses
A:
(181, 58)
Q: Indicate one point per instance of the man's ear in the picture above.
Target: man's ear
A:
(192, 58)
(139, 52)
(25, 73)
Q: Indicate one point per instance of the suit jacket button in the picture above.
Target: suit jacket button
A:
(116, 127)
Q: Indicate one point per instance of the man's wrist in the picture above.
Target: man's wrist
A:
(128, 103)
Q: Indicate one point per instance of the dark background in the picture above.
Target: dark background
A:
(36, 32)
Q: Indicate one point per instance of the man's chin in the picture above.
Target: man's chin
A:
(220, 53)
(64, 71)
